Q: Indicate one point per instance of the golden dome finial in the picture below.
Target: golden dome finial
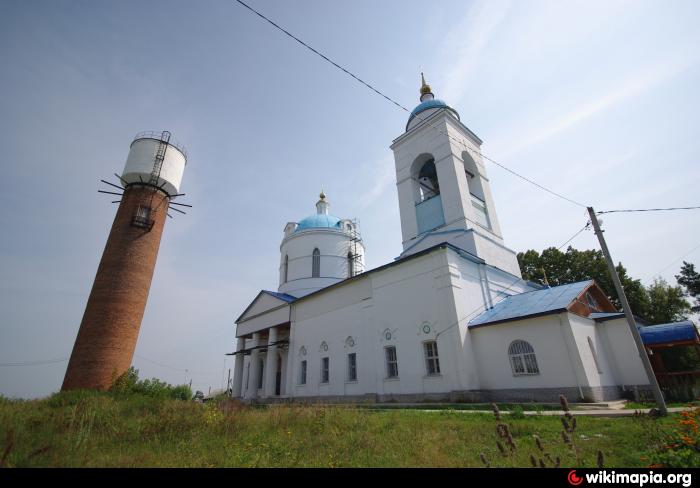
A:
(322, 195)
(425, 88)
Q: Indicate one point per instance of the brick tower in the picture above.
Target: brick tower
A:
(110, 327)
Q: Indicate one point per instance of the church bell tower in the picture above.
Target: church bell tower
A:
(444, 192)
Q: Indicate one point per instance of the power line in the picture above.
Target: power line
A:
(402, 107)
(647, 210)
(675, 261)
(174, 367)
(585, 227)
(33, 363)
(480, 308)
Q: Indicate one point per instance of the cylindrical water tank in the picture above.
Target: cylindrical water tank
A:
(142, 160)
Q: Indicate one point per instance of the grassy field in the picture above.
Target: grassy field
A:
(93, 429)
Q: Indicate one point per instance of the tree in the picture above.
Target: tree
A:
(690, 280)
(666, 303)
(574, 265)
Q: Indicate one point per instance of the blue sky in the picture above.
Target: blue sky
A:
(597, 100)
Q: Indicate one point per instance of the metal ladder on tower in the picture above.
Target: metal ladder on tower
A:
(160, 157)
(145, 210)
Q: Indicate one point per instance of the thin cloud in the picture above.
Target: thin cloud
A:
(383, 174)
(633, 86)
(463, 45)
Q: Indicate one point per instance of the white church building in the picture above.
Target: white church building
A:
(450, 319)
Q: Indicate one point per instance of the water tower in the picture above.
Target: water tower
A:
(110, 327)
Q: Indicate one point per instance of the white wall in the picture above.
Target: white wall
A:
(545, 334)
(583, 328)
(625, 356)
(401, 300)
(333, 246)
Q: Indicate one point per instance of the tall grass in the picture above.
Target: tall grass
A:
(102, 429)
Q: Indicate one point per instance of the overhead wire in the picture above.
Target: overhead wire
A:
(186, 370)
(402, 107)
(480, 308)
(33, 363)
(646, 210)
(675, 261)
(457, 140)
(585, 227)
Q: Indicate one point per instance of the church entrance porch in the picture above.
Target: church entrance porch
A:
(262, 356)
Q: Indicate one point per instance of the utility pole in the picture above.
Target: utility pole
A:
(658, 396)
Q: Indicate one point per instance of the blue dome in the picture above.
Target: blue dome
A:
(427, 105)
(318, 221)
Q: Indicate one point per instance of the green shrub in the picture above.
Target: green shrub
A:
(129, 384)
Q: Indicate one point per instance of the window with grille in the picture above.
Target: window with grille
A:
(302, 373)
(392, 366)
(316, 264)
(285, 269)
(522, 358)
(324, 370)
(352, 367)
(142, 217)
(432, 363)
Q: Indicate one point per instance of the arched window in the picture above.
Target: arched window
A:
(351, 264)
(316, 263)
(522, 358)
(428, 185)
(426, 188)
(285, 269)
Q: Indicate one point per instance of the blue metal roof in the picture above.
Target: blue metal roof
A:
(427, 105)
(536, 302)
(666, 333)
(318, 221)
(282, 296)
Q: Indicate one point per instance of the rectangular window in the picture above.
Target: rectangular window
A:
(352, 367)
(432, 363)
(302, 373)
(324, 370)
(142, 217)
(392, 366)
(143, 212)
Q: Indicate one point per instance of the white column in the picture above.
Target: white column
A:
(271, 363)
(291, 362)
(254, 368)
(238, 369)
